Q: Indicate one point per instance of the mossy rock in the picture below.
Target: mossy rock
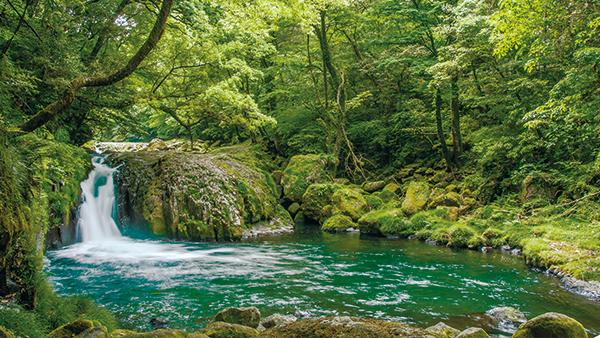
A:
(338, 223)
(247, 316)
(551, 325)
(322, 201)
(156, 145)
(373, 186)
(162, 333)
(473, 332)
(276, 320)
(416, 197)
(443, 330)
(293, 209)
(393, 187)
(451, 199)
(372, 223)
(228, 330)
(301, 172)
(344, 327)
(71, 329)
(4, 333)
(373, 202)
(194, 196)
(94, 332)
(538, 185)
(197, 335)
(386, 196)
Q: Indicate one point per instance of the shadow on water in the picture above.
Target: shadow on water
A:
(321, 273)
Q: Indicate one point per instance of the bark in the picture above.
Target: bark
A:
(57, 107)
(456, 137)
(440, 130)
(321, 32)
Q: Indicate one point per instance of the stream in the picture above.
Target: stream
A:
(319, 273)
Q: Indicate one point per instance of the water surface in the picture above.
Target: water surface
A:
(321, 273)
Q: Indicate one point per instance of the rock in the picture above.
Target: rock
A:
(416, 197)
(443, 330)
(94, 332)
(159, 323)
(301, 314)
(247, 316)
(195, 196)
(473, 332)
(301, 172)
(486, 249)
(516, 252)
(393, 187)
(338, 223)
(344, 327)
(4, 333)
(373, 202)
(386, 195)
(413, 237)
(197, 335)
(293, 209)
(507, 318)
(431, 241)
(551, 325)
(155, 145)
(451, 188)
(373, 222)
(276, 320)
(71, 329)
(505, 248)
(373, 186)
(162, 333)
(228, 330)
(538, 185)
(277, 175)
(450, 199)
(340, 199)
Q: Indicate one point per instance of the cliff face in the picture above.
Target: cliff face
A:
(195, 196)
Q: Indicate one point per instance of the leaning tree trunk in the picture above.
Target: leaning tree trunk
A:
(456, 138)
(56, 108)
(440, 130)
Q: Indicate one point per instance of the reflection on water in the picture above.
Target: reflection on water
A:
(311, 271)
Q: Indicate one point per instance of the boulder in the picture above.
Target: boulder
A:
(276, 320)
(277, 175)
(393, 187)
(551, 325)
(322, 201)
(338, 223)
(373, 202)
(293, 209)
(228, 330)
(506, 317)
(299, 218)
(71, 329)
(451, 199)
(373, 186)
(473, 332)
(301, 172)
(194, 196)
(386, 195)
(94, 332)
(159, 322)
(4, 333)
(155, 145)
(416, 197)
(372, 223)
(162, 333)
(443, 330)
(538, 185)
(247, 316)
(344, 327)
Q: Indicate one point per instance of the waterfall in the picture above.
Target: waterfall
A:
(96, 221)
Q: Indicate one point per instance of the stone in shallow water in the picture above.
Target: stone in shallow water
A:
(473, 332)
(228, 330)
(277, 319)
(551, 325)
(507, 318)
(443, 330)
(159, 322)
(247, 316)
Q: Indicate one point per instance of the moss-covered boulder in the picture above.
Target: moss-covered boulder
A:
(301, 172)
(338, 223)
(380, 222)
(393, 187)
(71, 329)
(344, 327)
(551, 325)
(4, 333)
(228, 330)
(386, 196)
(94, 332)
(162, 333)
(416, 197)
(443, 330)
(473, 332)
(246, 316)
(373, 186)
(195, 196)
(538, 185)
(451, 199)
(373, 202)
(276, 320)
(293, 209)
(322, 201)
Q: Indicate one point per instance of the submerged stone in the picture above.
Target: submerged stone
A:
(301, 172)
(443, 330)
(247, 316)
(507, 318)
(551, 325)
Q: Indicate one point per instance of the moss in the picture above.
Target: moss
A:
(551, 325)
(227, 330)
(324, 200)
(301, 172)
(473, 332)
(249, 316)
(393, 187)
(416, 197)
(386, 196)
(162, 333)
(371, 223)
(71, 329)
(338, 223)
(458, 235)
(373, 202)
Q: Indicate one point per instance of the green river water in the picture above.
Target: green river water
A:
(320, 273)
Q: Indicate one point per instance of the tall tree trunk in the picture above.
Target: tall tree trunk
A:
(440, 130)
(57, 107)
(456, 138)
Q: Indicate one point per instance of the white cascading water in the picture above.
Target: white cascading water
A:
(95, 213)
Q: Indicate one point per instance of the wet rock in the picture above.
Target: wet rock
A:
(507, 318)
(373, 186)
(301, 314)
(416, 197)
(228, 330)
(486, 249)
(412, 237)
(155, 145)
(322, 201)
(247, 316)
(551, 325)
(301, 172)
(162, 333)
(505, 248)
(379, 222)
(94, 332)
(71, 329)
(338, 223)
(443, 330)
(276, 320)
(431, 241)
(516, 252)
(473, 332)
(159, 323)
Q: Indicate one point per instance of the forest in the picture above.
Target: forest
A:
(498, 99)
